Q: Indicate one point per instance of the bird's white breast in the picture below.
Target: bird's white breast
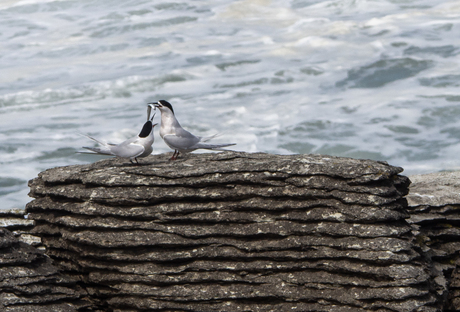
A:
(168, 125)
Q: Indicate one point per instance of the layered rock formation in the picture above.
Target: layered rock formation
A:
(434, 206)
(30, 282)
(454, 289)
(15, 221)
(235, 232)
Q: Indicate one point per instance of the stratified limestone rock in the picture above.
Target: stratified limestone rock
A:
(15, 221)
(434, 206)
(235, 232)
(30, 282)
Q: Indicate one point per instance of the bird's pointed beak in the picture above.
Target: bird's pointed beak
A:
(153, 116)
(156, 104)
(153, 126)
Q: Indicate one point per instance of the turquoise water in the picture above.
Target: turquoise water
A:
(364, 79)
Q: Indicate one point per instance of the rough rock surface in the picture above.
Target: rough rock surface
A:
(30, 282)
(434, 206)
(235, 232)
(15, 221)
(454, 293)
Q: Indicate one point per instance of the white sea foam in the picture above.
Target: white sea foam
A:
(366, 79)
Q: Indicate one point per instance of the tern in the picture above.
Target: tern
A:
(179, 139)
(136, 147)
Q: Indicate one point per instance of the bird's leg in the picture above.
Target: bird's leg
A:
(174, 156)
(134, 163)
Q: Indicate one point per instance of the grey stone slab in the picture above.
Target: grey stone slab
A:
(358, 171)
(77, 227)
(227, 251)
(243, 210)
(132, 195)
(307, 278)
(357, 296)
(435, 189)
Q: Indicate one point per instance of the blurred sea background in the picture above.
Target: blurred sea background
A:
(356, 78)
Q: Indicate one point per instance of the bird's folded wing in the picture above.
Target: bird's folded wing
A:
(129, 141)
(130, 150)
(214, 146)
(103, 150)
(180, 142)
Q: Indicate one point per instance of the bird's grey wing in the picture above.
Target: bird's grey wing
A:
(216, 147)
(206, 139)
(181, 142)
(100, 142)
(128, 151)
(182, 133)
(148, 150)
(101, 151)
(129, 141)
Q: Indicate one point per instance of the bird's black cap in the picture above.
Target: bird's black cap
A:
(146, 129)
(167, 104)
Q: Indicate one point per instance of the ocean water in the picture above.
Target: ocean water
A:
(358, 78)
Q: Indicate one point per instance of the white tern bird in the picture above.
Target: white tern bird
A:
(136, 147)
(179, 139)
